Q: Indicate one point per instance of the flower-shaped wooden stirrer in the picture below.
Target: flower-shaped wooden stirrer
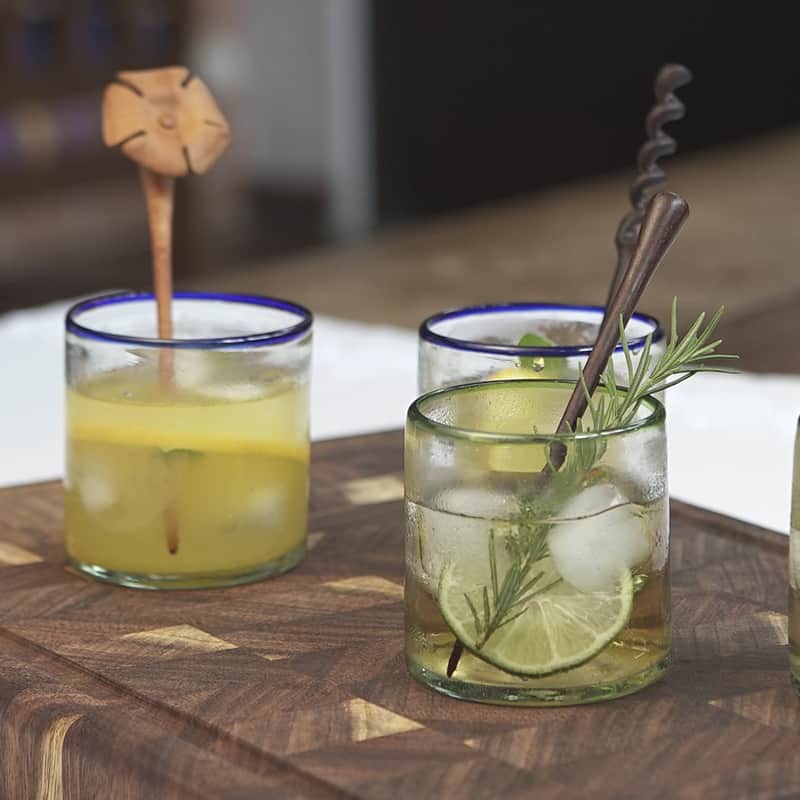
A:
(167, 122)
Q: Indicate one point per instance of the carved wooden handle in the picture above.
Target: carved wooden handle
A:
(650, 176)
(165, 120)
(663, 220)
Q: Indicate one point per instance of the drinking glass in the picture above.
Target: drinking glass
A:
(481, 343)
(794, 571)
(187, 458)
(529, 584)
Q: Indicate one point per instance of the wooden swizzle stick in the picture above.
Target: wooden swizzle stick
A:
(664, 218)
(168, 123)
(650, 176)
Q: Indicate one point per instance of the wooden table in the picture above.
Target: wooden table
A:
(296, 687)
(739, 248)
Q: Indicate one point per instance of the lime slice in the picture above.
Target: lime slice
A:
(537, 366)
(561, 627)
(533, 340)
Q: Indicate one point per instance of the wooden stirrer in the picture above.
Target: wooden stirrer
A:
(649, 174)
(168, 123)
(159, 195)
(663, 220)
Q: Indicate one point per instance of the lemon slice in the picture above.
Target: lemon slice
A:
(525, 458)
(273, 424)
(518, 374)
(560, 627)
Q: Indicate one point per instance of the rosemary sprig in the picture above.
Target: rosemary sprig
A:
(681, 359)
(504, 600)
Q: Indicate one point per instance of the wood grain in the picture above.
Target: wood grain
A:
(765, 336)
(738, 249)
(296, 687)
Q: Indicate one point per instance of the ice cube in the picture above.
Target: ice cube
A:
(239, 392)
(97, 494)
(478, 503)
(265, 507)
(603, 533)
(458, 529)
(193, 368)
(215, 376)
(569, 334)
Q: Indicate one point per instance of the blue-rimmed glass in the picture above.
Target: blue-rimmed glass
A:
(187, 458)
(479, 343)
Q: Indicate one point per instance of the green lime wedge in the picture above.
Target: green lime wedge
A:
(535, 340)
(560, 627)
(541, 367)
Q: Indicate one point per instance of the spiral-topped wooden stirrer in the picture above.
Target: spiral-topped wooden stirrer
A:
(664, 218)
(650, 176)
(168, 123)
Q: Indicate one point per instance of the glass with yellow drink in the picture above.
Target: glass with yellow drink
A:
(187, 458)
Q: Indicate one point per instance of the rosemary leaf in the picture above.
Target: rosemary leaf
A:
(478, 625)
(493, 567)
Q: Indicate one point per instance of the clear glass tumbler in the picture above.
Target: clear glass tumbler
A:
(527, 584)
(794, 571)
(488, 342)
(187, 458)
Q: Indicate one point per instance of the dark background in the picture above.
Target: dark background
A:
(480, 101)
(471, 103)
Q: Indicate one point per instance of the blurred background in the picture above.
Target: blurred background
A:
(349, 117)
(391, 158)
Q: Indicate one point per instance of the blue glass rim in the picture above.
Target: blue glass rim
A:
(277, 336)
(426, 333)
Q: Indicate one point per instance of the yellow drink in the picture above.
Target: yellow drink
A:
(187, 486)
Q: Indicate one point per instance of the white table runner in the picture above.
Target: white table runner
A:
(730, 437)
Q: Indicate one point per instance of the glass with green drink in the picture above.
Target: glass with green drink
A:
(537, 557)
(526, 584)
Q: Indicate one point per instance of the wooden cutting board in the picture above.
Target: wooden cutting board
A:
(296, 687)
